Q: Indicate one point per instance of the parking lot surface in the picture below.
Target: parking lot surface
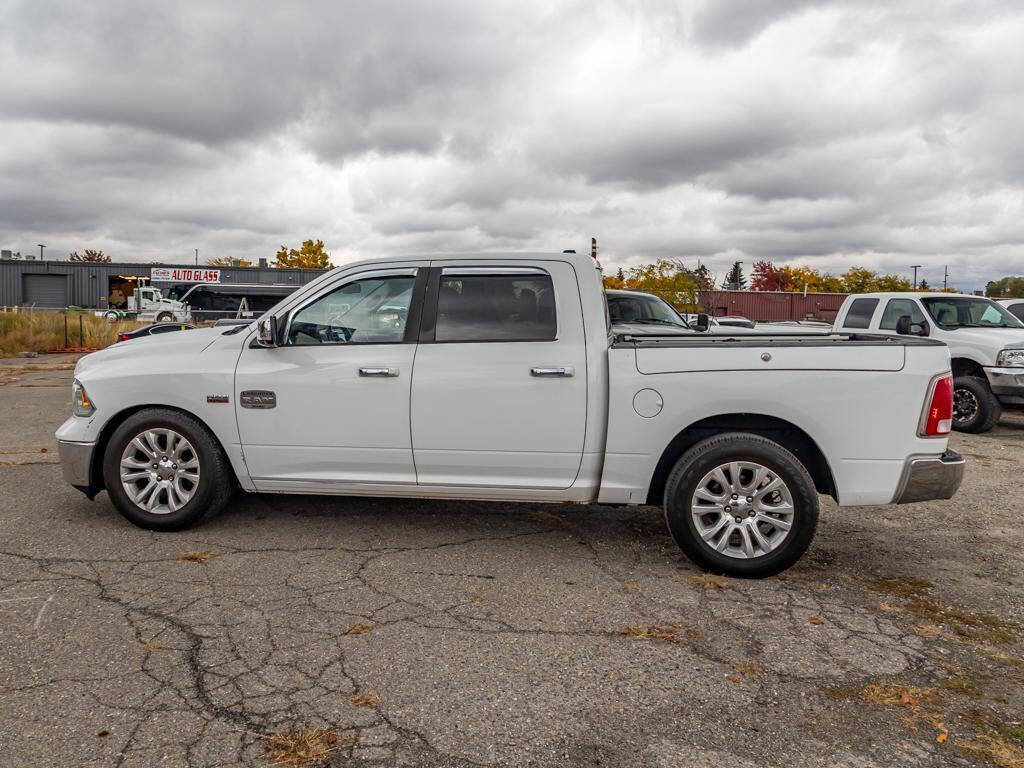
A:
(455, 634)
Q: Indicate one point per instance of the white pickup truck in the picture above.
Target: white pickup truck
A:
(498, 377)
(986, 345)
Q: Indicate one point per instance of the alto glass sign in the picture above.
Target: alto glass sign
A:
(184, 275)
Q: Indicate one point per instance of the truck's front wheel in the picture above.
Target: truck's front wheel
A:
(164, 470)
(975, 408)
(742, 505)
(164, 317)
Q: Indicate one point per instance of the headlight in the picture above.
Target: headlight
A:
(82, 404)
(1011, 357)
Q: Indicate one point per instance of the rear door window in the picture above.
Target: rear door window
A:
(488, 304)
(1017, 310)
(860, 313)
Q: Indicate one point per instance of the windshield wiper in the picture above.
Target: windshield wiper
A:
(236, 329)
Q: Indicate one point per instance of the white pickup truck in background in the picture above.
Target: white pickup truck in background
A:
(986, 345)
(498, 377)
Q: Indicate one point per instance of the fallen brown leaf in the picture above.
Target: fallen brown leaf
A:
(359, 629)
(152, 646)
(197, 557)
(815, 620)
(734, 678)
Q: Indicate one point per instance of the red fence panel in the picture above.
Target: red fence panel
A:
(772, 305)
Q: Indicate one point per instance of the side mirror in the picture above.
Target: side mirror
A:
(906, 327)
(703, 323)
(266, 332)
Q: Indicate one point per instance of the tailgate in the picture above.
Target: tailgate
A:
(839, 355)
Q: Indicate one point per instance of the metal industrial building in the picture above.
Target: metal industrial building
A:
(56, 284)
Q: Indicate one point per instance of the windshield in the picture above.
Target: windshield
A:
(642, 309)
(955, 312)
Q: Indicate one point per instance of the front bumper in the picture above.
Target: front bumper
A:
(76, 463)
(927, 478)
(1007, 384)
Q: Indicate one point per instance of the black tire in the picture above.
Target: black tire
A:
(164, 317)
(215, 484)
(722, 449)
(982, 408)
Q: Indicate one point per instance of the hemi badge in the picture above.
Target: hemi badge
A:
(216, 398)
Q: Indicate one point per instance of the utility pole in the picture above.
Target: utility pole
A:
(197, 257)
(41, 247)
(945, 279)
(915, 267)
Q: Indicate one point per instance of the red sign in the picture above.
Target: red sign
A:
(184, 275)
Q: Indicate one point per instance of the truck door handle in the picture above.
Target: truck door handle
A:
(378, 371)
(563, 371)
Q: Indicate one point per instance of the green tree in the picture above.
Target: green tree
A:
(892, 283)
(1006, 287)
(309, 256)
(665, 278)
(735, 280)
(89, 255)
(703, 277)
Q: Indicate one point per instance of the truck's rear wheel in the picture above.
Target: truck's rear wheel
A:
(975, 408)
(164, 470)
(164, 317)
(742, 505)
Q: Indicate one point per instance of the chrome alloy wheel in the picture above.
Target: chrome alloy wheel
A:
(742, 509)
(160, 471)
(965, 405)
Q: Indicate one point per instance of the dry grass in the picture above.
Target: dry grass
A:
(43, 331)
(902, 587)
(934, 615)
(309, 747)
(670, 633)
(904, 696)
(977, 627)
(197, 557)
(710, 581)
(998, 750)
(365, 700)
(889, 695)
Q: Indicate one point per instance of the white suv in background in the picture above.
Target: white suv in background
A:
(986, 345)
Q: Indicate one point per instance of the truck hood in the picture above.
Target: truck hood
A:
(193, 340)
(990, 339)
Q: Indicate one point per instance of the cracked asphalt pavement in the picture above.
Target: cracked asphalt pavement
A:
(436, 633)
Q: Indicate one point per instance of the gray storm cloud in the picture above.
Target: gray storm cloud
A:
(824, 133)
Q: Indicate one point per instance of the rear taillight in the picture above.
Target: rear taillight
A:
(938, 418)
(122, 337)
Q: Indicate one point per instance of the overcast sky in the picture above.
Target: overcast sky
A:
(822, 133)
